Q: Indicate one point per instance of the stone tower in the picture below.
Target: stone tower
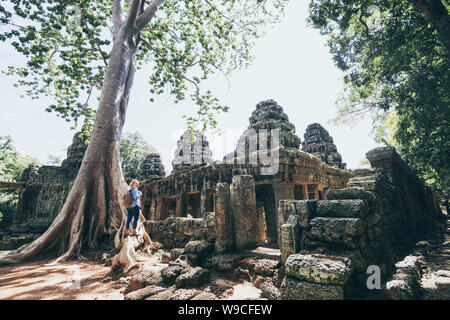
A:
(151, 168)
(75, 154)
(191, 152)
(319, 143)
(268, 115)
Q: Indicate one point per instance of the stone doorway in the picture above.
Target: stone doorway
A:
(191, 203)
(266, 196)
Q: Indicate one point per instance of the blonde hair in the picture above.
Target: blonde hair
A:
(134, 183)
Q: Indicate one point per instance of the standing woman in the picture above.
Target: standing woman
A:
(134, 210)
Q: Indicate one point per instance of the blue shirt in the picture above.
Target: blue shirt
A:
(136, 196)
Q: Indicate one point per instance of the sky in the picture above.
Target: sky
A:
(292, 66)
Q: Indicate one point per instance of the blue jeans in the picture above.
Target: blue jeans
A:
(133, 213)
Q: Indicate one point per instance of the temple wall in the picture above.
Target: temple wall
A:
(175, 232)
(372, 222)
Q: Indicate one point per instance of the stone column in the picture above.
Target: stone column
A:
(282, 191)
(243, 208)
(161, 211)
(305, 191)
(224, 219)
(203, 199)
(179, 207)
(316, 192)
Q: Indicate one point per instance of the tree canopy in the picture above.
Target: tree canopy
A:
(66, 44)
(395, 56)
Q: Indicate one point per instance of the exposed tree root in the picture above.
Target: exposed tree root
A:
(127, 258)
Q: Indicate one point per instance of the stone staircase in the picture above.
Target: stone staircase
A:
(331, 244)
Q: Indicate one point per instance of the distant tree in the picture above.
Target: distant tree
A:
(364, 163)
(396, 59)
(11, 166)
(11, 162)
(133, 148)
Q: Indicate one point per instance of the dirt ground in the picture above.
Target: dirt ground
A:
(79, 280)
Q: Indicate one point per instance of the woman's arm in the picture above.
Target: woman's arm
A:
(134, 194)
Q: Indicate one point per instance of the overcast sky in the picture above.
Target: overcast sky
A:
(292, 66)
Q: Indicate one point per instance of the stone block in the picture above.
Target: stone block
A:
(293, 289)
(355, 208)
(269, 291)
(170, 274)
(350, 193)
(337, 231)
(318, 268)
(304, 209)
(194, 277)
(144, 293)
(243, 208)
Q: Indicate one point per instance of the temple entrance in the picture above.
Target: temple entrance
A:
(266, 197)
(299, 192)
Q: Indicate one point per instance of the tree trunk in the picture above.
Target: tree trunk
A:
(93, 211)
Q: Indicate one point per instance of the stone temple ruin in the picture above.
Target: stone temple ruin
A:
(329, 224)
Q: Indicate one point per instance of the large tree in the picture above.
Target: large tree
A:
(183, 40)
(395, 55)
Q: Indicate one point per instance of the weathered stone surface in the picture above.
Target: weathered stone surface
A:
(405, 282)
(224, 220)
(243, 207)
(305, 210)
(194, 277)
(163, 295)
(176, 253)
(350, 193)
(292, 289)
(205, 296)
(151, 168)
(318, 268)
(341, 231)
(201, 248)
(265, 267)
(278, 276)
(269, 291)
(170, 274)
(356, 208)
(176, 232)
(290, 238)
(191, 151)
(184, 294)
(319, 143)
(144, 293)
(267, 116)
(165, 257)
(224, 262)
(144, 278)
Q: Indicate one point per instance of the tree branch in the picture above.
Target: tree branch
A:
(96, 44)
(133, 12)
(171, 64)
(437, 13)
(148, 14)
(117, 15)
